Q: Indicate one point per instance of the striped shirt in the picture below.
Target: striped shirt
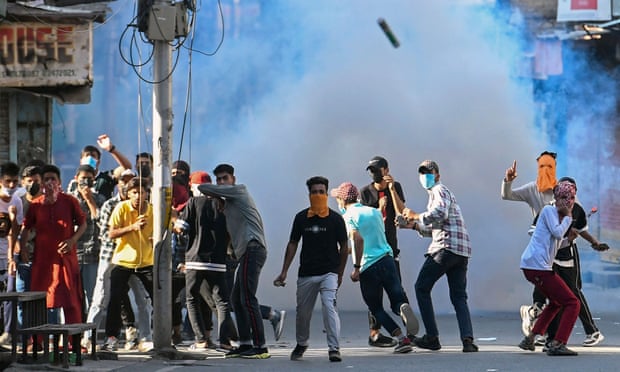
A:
(107, 244)
(444, 222)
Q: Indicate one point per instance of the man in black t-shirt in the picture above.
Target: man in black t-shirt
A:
(377, 195)
(322, 261)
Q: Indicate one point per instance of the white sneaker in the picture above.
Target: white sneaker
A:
(540, 340)
(526, 326)
(5, 339)
(111, 344)
(593, 339)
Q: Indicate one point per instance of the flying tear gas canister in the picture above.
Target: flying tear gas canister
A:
(388, 32)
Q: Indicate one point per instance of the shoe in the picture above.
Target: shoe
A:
(547, 346)
(199, 346)
(211, 344)
(145, 346)
(224, 348)
(404, 346)
(560, 350)
(382, 341)
(411, 322)
(527, 344)
(593, 339)
(427, 342)
(256, 353)
(277, 321)
(334, 356)
(177, 339)
(236, 353)
(110, 344)
(529, 314)
(469, 346)
(540, 340)
(6, 339)
(526, 325)
(298, 352)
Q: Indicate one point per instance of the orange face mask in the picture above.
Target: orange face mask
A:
(318, 205)
(546, 173)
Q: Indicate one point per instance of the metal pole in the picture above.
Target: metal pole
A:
(162, 144)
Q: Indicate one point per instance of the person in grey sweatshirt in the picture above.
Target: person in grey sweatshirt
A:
(245, 226)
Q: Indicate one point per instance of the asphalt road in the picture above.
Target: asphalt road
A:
(497, 335)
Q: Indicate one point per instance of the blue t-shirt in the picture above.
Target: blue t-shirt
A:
(368, 222)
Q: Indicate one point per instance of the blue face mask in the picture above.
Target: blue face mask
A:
(427, 180)
(89, 160)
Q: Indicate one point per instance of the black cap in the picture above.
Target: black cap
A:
(377, 162)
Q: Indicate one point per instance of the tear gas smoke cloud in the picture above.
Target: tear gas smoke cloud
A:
(318, 90)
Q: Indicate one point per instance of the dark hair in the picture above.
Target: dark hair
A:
(89, 149)
(85, 168)
(181, 165)
(144, 155)
(137, 182)
(317, 180)
(50, 168)
(31, 170)
(9, 169)
(568, 179)
(552, 154)
(224, 168)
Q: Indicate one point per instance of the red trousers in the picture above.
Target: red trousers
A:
(560, 298)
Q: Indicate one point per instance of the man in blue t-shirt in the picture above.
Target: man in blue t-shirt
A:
(374, 265)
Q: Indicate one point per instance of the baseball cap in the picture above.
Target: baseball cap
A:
(346, 191)
(428, 166)
(377, 162)
(128, 173)
(199, 177)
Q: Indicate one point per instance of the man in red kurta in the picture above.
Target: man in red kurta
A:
(55, 268)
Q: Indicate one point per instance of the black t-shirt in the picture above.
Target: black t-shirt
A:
(580, 221)
(319, 250)
(370, 196)
(104, 184)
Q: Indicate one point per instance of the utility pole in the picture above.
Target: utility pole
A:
(161, 194)
(162, 21)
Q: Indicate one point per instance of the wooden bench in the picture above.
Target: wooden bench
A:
(67, 331)
(34, 312)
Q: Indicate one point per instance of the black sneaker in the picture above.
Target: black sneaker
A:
(561, 350)
(298, 352)
(256, 353)
(236, 353)
(382, 341)
(334, 356)
(469, 346)
(527, 344)
(547, 346)
(427, 342)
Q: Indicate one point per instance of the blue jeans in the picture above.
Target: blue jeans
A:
(383, 275)
(22, 284)
(455, 268)
(243, 297)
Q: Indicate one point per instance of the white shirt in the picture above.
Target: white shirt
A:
(545, 240)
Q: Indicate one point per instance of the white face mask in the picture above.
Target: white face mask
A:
(8, 192)
(427, 180)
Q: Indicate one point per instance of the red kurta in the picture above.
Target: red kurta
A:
(58, 275)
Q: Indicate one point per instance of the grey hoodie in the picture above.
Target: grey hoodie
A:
(243, 220)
